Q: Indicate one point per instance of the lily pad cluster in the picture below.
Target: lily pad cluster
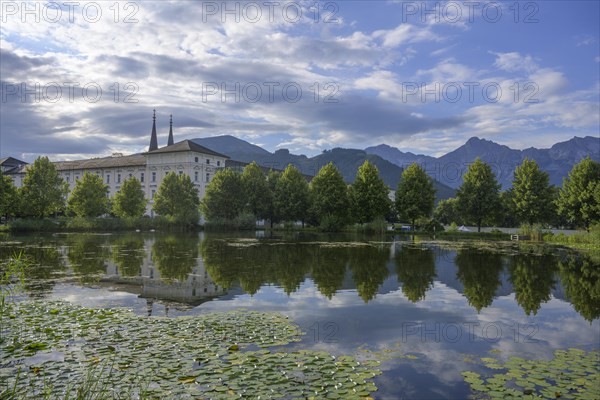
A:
(571, 374)
(56, 350)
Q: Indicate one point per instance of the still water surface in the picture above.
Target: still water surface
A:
(427, 310)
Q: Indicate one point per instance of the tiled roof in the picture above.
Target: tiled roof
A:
(104, 162)
(186, 145)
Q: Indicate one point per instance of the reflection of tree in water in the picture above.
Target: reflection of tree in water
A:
(255, 264)
(128, 253)
(416, 270)
(45, 264)
(175, 255)
(87, 255)
(479, 272)
(533, 280)
(580, 276)
(369, 269)
(328, 268)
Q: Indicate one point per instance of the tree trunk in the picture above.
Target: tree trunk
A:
(479, 226)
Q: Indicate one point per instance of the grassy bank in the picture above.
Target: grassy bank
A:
(582, 241)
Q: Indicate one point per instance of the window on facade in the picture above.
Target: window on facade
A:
(207, 161)
(130, 175)
(142, 177)
(207, 177)
(196, 176)
(153, 193)
(107, 178)
(118, 178)
(154, 177)
(180, 172)
(195, 159)
(67, 179)
(77, 177)
(218, 163)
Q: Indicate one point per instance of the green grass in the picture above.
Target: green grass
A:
(582, 241)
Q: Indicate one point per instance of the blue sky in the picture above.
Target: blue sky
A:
(421, 76)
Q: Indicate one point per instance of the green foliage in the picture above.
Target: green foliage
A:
(447, 212)
(8, 196)
(245, 221)
(224, 198)
(506, 213)
(257, 192)
(292, 198)
(43, 192)
(129, 201)
(89, 197)
(175, 256)
(580, 277)
(535, 232)
(579, 198)
(415, 194)
(532, 195)
(369, 195)
(478, 194)
(329, 198)
(533, 280)
(272, 212)
(571, 374)
(177, 198)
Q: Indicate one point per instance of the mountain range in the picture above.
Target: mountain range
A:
(557, 161)
(446, 170)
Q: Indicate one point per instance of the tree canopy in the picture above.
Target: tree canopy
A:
(478, 195)
(129, 201)
(257, 193)
(329, 195)
(415, 195)
(44, 191)
(224, 196)
(8, 195)
(89, 197)
(579, 197)
(369, 195)
(531, 193)
(177, 198)
(292, 195)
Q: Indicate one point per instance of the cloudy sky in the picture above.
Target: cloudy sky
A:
(82, 80)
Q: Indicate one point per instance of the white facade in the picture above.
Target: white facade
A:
(184, 157)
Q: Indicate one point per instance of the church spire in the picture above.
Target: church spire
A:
(170, 142)
(153, 139)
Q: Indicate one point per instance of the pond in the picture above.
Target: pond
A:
(427, 310)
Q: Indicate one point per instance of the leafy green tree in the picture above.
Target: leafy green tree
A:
(271, 212)
(224, 196)
(89, 197)
(8, 196)
(505, 214)
(292, 195)
(368, 265)
(329, 195)
(177, 198)
(446, 212)
(415, 194)
(44, 191)
(531, 193)
(578, 198)
(478, 195)
(580, 277)
(369, 195)
(257, 193)
(129, 201)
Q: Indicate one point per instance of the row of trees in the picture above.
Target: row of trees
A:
(530, 200)
(327, 201)
(45, 193)
(287, 196)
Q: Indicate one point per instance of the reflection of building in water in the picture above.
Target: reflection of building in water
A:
(193, 290)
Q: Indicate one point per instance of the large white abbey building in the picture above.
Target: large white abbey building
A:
(185, 157)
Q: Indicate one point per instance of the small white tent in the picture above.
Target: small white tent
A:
(463, 229)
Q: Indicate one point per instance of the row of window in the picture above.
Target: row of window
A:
(208, 161)
(153, 177)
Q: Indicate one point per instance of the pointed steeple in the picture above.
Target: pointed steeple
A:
(153, 139)
(170, 142)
